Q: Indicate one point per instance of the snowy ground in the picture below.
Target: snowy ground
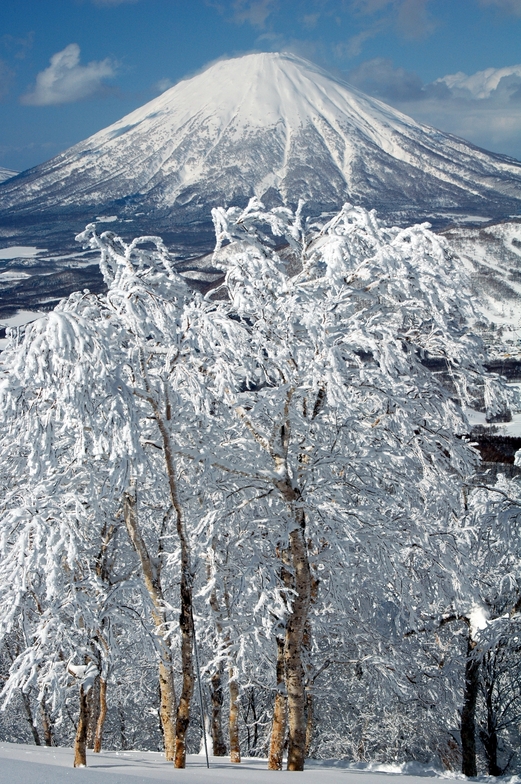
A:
(22, 764)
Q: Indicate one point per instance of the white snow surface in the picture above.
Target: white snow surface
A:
(20, 252)
(492, 257)
(6, 174)
(21, 764)
(271, 123)
(21, 318)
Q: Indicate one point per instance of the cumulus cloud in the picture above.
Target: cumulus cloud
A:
(492, 83)
(484, 107)
(66, 81)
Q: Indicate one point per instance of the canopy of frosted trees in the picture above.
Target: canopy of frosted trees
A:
(271, 482)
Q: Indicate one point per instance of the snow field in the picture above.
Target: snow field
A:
(24, 764)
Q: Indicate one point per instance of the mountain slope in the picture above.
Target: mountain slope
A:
(492, 257)
(275, 126)
(6, 174)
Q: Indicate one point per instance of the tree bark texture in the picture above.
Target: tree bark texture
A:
(153, 586)
(296, 624)
(468, 714)
(280, 712)
(219, 746)
(46, 724)
(93, 699)
(235, 748)
(187, 690)
(27, 706)
(98, 737)
(489, 736)
(80, 741)
(185, 616)
(309, 722)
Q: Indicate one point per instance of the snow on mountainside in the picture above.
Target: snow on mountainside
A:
(492, 256)
(275, 126)
(6, 174)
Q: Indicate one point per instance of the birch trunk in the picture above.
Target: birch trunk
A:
(27, 705)
(93, 701)
(187, 636)
(295, 679)
(186, 623)
(277, 447)
(233, 684)
(80, 741)
(101, 716)
(46, 724)
(219, 746)
(280, 712)
(235, 748)
(153, 586)
(309, 722)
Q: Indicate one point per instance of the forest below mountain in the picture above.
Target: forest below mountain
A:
(271, 486)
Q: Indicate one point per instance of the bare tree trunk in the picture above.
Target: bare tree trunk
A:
(186, 614)
(489, 736)
(280, 711)
(468, 713)
(46, 724)
(93, 699)
(277, 447)
(123, 728)
(233, 685)
(235, 748)
(80, 741)
(153, 586)
(219, 746)
(309, 722)
(187, 636)
(295, 680)
(98, 737)
(30, 719)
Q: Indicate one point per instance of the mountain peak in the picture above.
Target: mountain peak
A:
(278, 127)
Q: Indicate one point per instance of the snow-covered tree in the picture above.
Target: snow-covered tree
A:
(278, 461)
(342, 427)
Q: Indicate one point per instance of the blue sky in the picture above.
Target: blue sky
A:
(71, 67)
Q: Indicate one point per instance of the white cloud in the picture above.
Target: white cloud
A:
(20, 46)
(66, 81)
(508, 6)
(253, 11)
(163, 84)
(380, 78)
(484, 107)
(6, 77)
(310, 20)
(410, 17)
(490, 83)
(112, 2)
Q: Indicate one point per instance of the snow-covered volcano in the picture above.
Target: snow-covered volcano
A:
(275, 126)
